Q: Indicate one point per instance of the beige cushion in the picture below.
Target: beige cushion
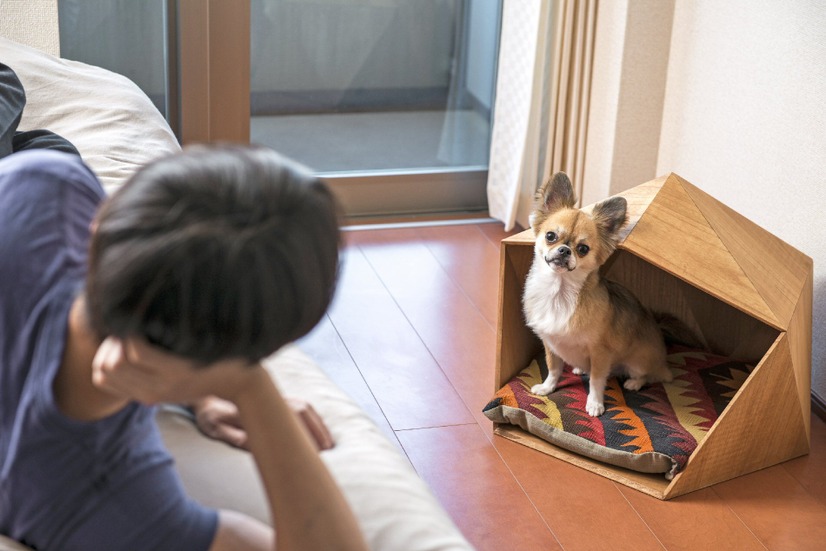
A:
(396, 510)
(105, 115)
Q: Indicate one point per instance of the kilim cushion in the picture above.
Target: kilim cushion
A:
(652, 430)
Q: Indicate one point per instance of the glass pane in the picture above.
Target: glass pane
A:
(124, 36)
(374, 85)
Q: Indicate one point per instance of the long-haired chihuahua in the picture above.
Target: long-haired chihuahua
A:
(594, 325)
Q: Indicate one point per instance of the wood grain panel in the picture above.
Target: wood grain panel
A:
(809, 470)
(449, 324)
(193, 36)
(800, 348)
(214, 70)
(516, 344)
(495, 232)
(776, 269)
(725, 329)
(777, 510)
(584, 510)
(675, 236)
(761, 426)
(324, 345)
(638, 199)
(408, 383)
(472, 263)
(477, 489)
(700, 520)
(650, 484)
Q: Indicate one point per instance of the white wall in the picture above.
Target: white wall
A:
(738, 109)
(31, 22)
(744, 119)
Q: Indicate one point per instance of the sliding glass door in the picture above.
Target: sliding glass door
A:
(388, 100)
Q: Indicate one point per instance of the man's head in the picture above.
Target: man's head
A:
(214, 253)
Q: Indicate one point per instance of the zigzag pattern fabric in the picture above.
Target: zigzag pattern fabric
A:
(663, 420)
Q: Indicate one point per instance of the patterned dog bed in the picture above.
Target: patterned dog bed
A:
(652, 430)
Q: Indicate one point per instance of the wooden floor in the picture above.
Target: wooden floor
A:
(411, 337)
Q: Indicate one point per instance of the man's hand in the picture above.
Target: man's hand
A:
(135, 370)
(312, 422)
(219, 419)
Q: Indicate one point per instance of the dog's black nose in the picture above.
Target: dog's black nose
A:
(564, 250)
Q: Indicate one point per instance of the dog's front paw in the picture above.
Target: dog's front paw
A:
(542, 389)
(594, 408)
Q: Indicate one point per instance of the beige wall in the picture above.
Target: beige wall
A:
(745, 119)
(742, 114)
(31, 22)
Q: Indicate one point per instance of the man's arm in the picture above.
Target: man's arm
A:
(219, 419)
(308, 510)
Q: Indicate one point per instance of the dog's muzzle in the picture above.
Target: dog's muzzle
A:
(561, 258)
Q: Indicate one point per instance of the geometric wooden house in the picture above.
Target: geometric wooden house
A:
(746, 292)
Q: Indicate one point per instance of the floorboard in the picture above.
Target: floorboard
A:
(325, 346)
(495, 232)
(476, 488)
(472, 264)
(777, 509)
(404, 377)
(700, 520)
(810, 470)
(454, 331)
(583, 510)
(411, 336)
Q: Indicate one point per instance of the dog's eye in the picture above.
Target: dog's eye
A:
(582, 250)
(551, 237)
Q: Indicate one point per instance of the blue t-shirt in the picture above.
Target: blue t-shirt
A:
(66, 484)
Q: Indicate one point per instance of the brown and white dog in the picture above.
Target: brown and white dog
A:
(594, 325)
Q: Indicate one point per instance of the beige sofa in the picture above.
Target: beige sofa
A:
(117, 129)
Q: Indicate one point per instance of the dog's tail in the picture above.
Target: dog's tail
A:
(675, 331)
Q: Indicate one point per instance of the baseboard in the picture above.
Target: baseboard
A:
(819, 406)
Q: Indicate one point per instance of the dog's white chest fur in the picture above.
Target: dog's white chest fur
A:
(550, 299)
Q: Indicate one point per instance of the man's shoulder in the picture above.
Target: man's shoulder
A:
(47, 203)
(44, 167)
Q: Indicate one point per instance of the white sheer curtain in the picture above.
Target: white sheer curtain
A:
(541, 109)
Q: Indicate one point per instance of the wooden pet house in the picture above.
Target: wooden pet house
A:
(746, 292)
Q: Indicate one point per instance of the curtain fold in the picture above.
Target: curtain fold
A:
(542, 100)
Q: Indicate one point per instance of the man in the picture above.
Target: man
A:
(200, 266)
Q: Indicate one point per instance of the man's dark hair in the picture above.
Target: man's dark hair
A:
(214, 253)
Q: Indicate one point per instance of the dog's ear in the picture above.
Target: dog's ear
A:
(611, 215)
(555, 193)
